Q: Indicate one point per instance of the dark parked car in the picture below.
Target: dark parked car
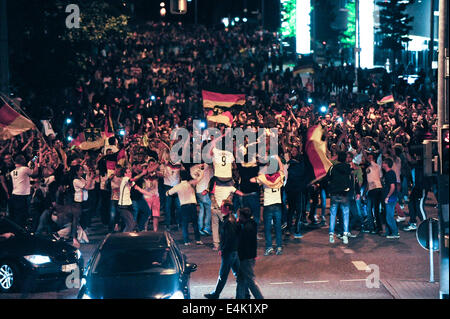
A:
(27, 260)
(145, 265)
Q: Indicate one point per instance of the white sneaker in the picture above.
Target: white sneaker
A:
(345, 240)
(400, 219)
(331, 239)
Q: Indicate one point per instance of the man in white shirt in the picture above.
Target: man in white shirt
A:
(204, 215)
(220, 192)
(374, 195)
(272, 184)
(188, 205)
(20, 199)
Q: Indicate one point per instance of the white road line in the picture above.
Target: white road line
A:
(315, 282)
(360, 265)
(281, 283)
(348, 251)
(353, 280)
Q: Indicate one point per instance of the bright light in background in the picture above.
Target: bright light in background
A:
(236, 19)
(366, 25)
(303, 29)
(244, 19)
(226, 22)
(323, 109)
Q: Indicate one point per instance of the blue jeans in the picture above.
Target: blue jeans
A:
(113, 216)
(229, 261)
(204, 215)
(390, 220)
(171, 202)
(296, 201)
(272, 212)
(374, 219)
(189, 215)
(252, 201)
(141, 219)
(343, 203)
(323, 201)
(356, 213)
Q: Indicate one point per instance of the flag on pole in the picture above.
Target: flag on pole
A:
(386, 100)
(316, 150)
(12, 123)
(212, 99)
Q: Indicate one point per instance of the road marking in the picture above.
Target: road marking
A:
(281, 283)
(315, 282)
(360, 265)
(354, 280)
(347, 251)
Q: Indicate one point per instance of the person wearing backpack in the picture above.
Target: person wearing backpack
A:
(338, 180)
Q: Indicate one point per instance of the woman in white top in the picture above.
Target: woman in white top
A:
(124, 206)
(80, 194)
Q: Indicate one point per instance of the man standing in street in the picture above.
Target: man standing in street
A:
(20, 200)
(339, 179)
(229, 241)
(247, 255)
(390, 198)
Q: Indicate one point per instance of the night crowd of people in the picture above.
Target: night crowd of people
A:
(145, 86)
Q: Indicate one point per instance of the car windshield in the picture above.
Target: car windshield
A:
(112, 262)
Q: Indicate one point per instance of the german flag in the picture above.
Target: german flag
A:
(301, 69)
(386, 100)
(222, 118)
(12, 123)
(212, 99)
(316, 150)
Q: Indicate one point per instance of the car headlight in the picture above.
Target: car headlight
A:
(38, 259)
(177, 295)
(78, 252)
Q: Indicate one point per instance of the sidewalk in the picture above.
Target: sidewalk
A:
(410, 289)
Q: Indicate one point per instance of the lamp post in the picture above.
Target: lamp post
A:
(4, 59)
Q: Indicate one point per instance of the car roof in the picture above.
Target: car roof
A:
(150, 240)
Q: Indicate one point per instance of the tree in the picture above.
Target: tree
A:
(394, 25)
(45, 55)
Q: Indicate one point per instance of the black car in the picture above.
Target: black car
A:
(27, 259)
(144, 265)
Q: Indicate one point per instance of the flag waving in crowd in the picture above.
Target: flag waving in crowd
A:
(386, 100)
(12, 123)
(316, 151)
(213, 99)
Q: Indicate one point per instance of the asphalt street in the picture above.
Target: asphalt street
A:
(309, 268)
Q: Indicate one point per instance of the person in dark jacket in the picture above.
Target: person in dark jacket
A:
(296, 191)
(229, 242)
(247, 255)
(339, 184)
(417, 196)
